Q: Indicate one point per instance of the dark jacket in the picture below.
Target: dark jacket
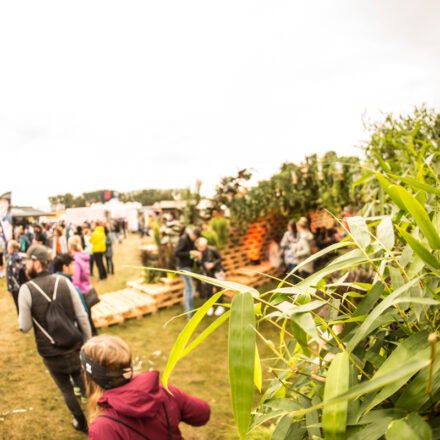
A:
(211, 255)
(139, 405)
(15, 272)
(38, 308)
(183, 248)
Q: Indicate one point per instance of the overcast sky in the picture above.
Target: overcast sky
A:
(156, 94)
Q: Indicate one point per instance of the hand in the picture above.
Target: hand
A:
(209, 266)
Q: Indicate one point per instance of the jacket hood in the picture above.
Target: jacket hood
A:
(81, 257)
(140, 398)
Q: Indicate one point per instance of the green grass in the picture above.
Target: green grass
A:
(26, 384)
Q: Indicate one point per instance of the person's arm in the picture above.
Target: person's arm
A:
(194, 411)
(24, 309)
(80, 313)
(76, 277)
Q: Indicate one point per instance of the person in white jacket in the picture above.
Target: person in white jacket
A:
(304, 246)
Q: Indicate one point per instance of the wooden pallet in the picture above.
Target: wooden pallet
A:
(115, 307)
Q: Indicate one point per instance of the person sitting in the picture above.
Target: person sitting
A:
(124, 405)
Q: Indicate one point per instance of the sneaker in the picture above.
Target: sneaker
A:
(219, 311)
(80, 426)
(210, 311)
(83, 399)
(77, 391)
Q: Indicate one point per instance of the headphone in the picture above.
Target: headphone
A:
(103, 376)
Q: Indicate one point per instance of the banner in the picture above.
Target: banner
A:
(5, 217)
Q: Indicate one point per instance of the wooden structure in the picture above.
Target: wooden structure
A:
(245, 259)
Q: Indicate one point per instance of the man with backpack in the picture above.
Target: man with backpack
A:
(50, 304)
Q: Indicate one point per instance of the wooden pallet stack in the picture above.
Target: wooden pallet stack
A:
(140, 298)
(164, 294)
(116, 307)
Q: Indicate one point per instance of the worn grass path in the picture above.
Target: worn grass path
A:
(25, 383)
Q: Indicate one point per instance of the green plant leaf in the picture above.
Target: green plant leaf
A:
(258, 375)
(241, 355)
(411, 428)
(364, 329)
(317, 255)
(417, 184)
(282, 428)
(414, 347)
(358, 229)
(414, 396)
(331, 268)
(391, 191)
(177, 352)
(420, 250)
(362, 179)
(334, 415)
(421, 217)
(212, 327)
(312, 418)
(385, 232)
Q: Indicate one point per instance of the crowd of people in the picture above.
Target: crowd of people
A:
(48, 274)
(299, 243)
(91, 244)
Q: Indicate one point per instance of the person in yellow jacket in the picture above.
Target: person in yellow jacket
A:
(97, 240)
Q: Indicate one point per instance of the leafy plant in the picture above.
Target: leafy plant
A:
(361, 364)
(221, 228)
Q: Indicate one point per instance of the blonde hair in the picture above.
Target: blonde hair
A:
(13, 245)
(110, 352)
(74, 243)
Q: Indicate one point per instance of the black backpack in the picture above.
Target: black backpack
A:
(61, 330)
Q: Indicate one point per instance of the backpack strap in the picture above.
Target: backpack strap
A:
(140, 433)
(126, 425)
(41, 291)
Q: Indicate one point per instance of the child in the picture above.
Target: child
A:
(15, 270)
(129, 406)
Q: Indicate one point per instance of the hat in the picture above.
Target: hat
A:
(38, 252)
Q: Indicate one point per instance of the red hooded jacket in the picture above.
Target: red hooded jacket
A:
(139, 405)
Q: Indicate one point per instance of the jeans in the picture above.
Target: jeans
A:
(188, 291)
(97, 257)
(62, 368)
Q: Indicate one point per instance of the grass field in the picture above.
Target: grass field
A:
(26, 385)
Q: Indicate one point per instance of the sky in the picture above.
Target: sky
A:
(157, 94)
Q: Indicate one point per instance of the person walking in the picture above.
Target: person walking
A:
(80, 276)
(124, 405)
(34, 301)
(185, 255)
(97, 240)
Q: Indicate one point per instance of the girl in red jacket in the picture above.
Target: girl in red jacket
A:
(123, 405)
